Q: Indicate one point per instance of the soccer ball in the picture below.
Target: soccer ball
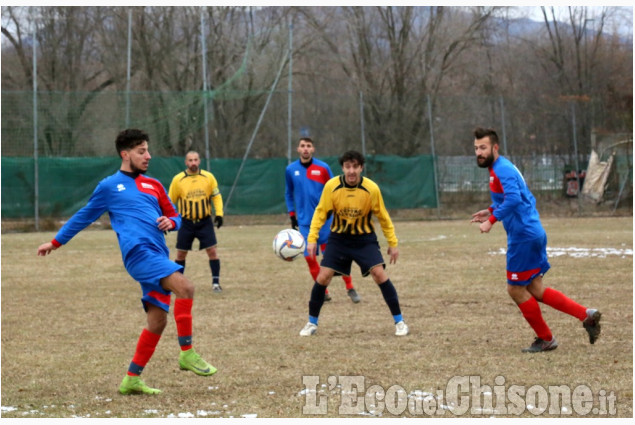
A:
(288, 244)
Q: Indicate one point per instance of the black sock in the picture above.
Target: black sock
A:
(317, 300)
(390, 296)
(215, 266)
(181, 263)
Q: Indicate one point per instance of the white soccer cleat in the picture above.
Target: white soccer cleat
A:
(308, 329)
(401, 329)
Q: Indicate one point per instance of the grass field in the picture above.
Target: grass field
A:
(70, 322)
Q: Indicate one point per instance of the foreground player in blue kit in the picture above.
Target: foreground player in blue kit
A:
(515, 206)
(140, 212)
(304, 181)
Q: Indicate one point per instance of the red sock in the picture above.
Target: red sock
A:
(145, 348)
(561, 302)
(183, 317)
(314, 267)
(531, 312)
(348, 281)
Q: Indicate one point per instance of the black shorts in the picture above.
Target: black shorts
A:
(342, 250)
(203, 230)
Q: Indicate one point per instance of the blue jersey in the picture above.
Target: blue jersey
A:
(513, 203)
(134, 204)
(304, 184)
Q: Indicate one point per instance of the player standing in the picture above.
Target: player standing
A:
(194, 191)
(305, 179)
(515, 206)
(352, 200)
(140, 211)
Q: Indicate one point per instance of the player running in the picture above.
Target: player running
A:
(352, 200)
(515, 206)
(305, 179)
(140, 212)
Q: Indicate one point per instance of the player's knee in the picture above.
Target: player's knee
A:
(324, 277)
(179, 285)
(212, 254)
(379, 275)
(518, 293)
(186, 289)
(157, 320)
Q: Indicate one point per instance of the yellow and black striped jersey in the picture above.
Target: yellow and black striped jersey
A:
(352, 208)
(194, 195)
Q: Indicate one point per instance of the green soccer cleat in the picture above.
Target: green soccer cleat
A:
(190, 360)
(134, 385)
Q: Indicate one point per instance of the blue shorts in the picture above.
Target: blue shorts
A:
(323, 237)
(342, 250)
(526, 260)
(203, 230)
(148, 265)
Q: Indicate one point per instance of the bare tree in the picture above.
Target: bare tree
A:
(398, 56)
(68, 71)
(466, 60)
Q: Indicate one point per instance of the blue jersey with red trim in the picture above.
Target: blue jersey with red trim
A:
(304, 184)
(513, 203)
(134, 204)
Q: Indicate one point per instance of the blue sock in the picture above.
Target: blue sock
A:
(317, 300)
(390, 296)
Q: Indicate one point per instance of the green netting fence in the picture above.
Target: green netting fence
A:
(65, 184)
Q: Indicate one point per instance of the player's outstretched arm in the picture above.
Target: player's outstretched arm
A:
(45, 249)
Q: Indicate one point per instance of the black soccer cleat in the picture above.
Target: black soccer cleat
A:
(592, 324)
(540, 345)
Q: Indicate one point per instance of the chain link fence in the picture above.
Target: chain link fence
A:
(542, 139)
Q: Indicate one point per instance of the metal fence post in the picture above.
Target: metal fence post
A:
(434, 158)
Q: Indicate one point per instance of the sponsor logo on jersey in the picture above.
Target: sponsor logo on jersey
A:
(316, 173)
(147, 185)
(297, 173)
(121, 187)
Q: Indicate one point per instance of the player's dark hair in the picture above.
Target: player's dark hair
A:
(480, 132)
(129, 139)
(306, 139)
(352, 156)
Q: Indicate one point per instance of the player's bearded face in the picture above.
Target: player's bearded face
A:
(484, 153)
(352, 172)
(192, 162)
(485, 161)
(139, 158)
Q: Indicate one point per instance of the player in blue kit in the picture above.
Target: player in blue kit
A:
(140, 212)
(305, 179)
(515, 206)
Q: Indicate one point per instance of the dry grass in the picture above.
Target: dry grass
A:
(70, 324)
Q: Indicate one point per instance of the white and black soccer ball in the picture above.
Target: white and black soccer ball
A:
(289, 244)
